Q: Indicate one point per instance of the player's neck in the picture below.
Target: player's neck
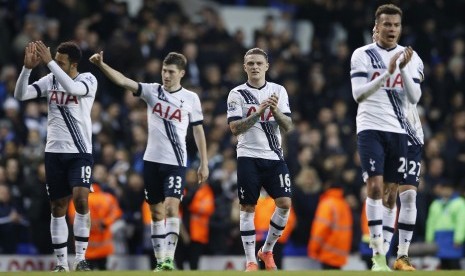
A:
(256, 83)
(173, 88)
(73, 74)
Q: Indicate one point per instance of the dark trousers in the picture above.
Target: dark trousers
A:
(189, 253)
(329, 267)
(450, 264)
(98, 264)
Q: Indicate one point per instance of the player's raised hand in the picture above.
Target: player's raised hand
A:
(408, 53)
(31, 59)
(273, 102)
(97, 58)
(262, 107)
(393, 62)
(43, 52)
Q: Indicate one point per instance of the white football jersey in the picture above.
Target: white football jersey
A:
(262, 140)
(415, 67)
(69, 125)
(169, 115)
(385, 109)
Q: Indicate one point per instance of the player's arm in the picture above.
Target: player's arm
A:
(411, 84)
(361, 88)
(114, 75)
(23, 91)
(284, 121)
(201, 142)
(240, 126)
(77, 88)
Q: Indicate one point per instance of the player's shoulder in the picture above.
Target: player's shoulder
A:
(189, 93)
(361, 50)
(239, 87)
(274, 85)
(87, 76)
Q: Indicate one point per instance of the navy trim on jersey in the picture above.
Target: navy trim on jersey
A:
(273, 141)
(73, 129)
(412, 134)
(359, 75)
(37, 89)
(390, 49)
(54, 83)
(196, 123)
(259, 88)
(415, 80)
(288, 114)
(172, 92)
(376, 60)
(396, 104)
(139, 90)
(173, 137)
(248, 97)
(161, 95)
(87, 88)
(235, 118)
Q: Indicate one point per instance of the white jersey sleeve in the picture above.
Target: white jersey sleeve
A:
(196, 116)
(283, 103)
(415, 72)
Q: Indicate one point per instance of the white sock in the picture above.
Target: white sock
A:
(407, 220)
(158, 239)
(172, 235)
(374, 211)
(59, 233)
(81, 228)
(247, 228)
(277, 223)
(389, 221)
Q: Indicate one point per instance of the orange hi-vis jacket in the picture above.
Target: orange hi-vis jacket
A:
(263, 212)
(104, 210)
(331, 233)
(201, 209)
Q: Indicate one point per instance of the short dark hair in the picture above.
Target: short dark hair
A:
(177, 59)
(71, 49)
(387, 9)
(256, 51)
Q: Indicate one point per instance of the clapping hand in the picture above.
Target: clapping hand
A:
(43, 52)
(31, 59)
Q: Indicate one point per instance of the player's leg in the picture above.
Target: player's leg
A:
(154, 196)
(372, 153)
(174, 181)
(408, 208)
(248, 185)
(79, 177)
(389, 214)
(277, 183)
(395, 174)
(59, 194)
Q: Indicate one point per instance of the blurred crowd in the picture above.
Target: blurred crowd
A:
(321, 151)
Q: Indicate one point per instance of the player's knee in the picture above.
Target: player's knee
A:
(283, 202)
(409, 196)
(81, 205)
